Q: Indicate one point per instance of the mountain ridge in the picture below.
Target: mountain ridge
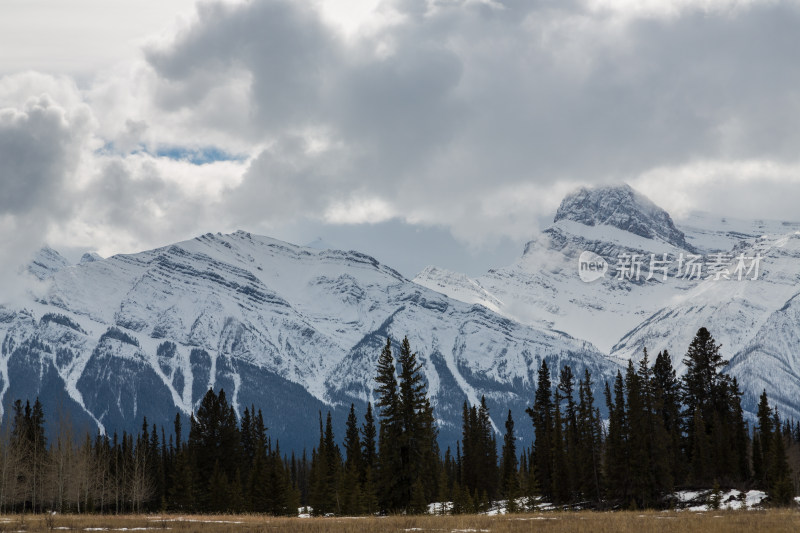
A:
(274, 324)
(623, 315)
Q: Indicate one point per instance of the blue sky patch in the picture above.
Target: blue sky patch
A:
(195, 156)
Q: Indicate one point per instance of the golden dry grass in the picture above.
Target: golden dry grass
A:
(555, 522)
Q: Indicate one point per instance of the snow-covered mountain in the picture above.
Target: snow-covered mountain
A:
(294, 330)
(622, 208)
(543, 287)
(664, 306)
(291, 330)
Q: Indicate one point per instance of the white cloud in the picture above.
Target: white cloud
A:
(469, 115)
(751, 188)
(359, 211)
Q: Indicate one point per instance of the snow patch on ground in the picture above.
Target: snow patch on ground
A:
(729, 500)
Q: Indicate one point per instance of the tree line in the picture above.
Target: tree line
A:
(662, 434)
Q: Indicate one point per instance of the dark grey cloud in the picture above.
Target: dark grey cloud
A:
(282, 46)
(39, 148)
(437, 112)
(470, 116)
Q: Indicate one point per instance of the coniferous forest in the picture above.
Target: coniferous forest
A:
(662, 434)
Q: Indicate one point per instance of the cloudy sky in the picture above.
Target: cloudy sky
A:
(438, 131)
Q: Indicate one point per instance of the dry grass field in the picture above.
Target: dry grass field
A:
(634, 522)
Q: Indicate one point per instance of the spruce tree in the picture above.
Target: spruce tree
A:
(542, 417)
(765, 431)
(560, 489)
(417, 440)
(214, 442)
(590, 434)
(667, 403)
(368, 440)
(617, 443)
(369, 461)
(781, 488)
(509, 486)
(740, 434)
(487, 466)
(351, 479)
(390, 467)
(566, 387)
(704, 389)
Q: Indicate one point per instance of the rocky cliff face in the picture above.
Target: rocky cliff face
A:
(623, 208)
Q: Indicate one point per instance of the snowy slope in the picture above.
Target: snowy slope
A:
(770, 361)
(713, 233)
(754, 320)
(289, 329)
(543, 287)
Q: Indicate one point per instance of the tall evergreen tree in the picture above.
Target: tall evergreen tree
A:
(590, 444)
(667, 403)
(509, 485)
(764, 432)
(542, 417)
(703, 387)
(369, 461)
(566, 388)
(214, 443)
(390, 467)
(617, 443)
(353, 467)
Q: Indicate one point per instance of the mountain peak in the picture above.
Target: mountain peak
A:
(46, 262)
(90, 257)
(622, 207)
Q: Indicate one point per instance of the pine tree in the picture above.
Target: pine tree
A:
(704, 390)
(214, 442)
(765, 431)
(353, 469)
(740, 434)
(509, 486)
(542, 417)
(590, 433)
(325, 497)
(560, 476)
(667, 398)
(390, 491)
(781, 488)
(417, 444)
(650, 469)
(617, 443)
(368, 436)
(369, 462)
(488, 452)
(181, 495)
(566, 388)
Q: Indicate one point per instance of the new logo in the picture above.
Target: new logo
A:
(591, 266)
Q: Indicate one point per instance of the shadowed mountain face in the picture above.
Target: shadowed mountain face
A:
(287, 329)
